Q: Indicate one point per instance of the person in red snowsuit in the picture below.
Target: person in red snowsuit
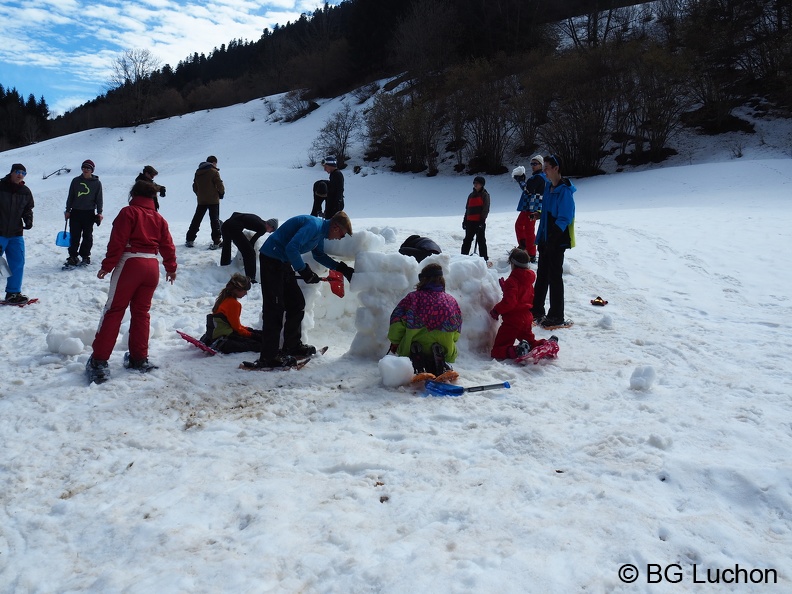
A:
(515, 308)
(139, 234)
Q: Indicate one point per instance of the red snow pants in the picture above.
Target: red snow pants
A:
(525, 229)
(515, 326)
(132, 285)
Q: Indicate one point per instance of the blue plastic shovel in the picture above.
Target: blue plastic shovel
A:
(64, 237)
(441, 389)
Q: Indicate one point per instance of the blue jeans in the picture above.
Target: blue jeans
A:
(14, 250)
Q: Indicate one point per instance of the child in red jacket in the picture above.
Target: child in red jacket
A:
(515, 307)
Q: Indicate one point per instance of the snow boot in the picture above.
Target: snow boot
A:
(97, 371)
(276, 361)
(301, 351)
(141, 365)
(438, 354)
(416, 357)
(16, 298)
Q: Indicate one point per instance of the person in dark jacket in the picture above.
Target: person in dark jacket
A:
(84, 205)
(419, 247)
(319, 196)
(209, 190)
(147, 175)
(233, 230)
(335, 187)
(475, 220)
(16, 214)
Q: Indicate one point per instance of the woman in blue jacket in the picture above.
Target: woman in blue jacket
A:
(555, 235)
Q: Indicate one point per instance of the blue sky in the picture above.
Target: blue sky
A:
(63, 50)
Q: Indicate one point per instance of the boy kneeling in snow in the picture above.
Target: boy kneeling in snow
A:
(515, 307)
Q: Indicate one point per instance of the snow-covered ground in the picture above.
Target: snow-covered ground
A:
(203, 478)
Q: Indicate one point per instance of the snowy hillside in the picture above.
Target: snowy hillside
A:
(202, 478)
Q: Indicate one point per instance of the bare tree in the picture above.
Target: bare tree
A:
(338, 131)
(132, 80)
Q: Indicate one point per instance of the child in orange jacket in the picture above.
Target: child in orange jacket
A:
(515, 308)
(227, 334)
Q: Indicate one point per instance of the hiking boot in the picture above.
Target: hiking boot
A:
(141, 365)
(216, 246)
(71, 261)
(16, 298)
(522, 348)
(553, 322)
(97, 370)
(438, 354)
(301, 351)
(537, 320)
(85, 262)
(276, 361)
(189, 244)
(416, 357)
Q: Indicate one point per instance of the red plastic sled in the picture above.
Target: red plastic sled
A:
(196, 342)
(548, 350)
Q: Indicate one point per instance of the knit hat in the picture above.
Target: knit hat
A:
(272, 223)
(538, 158)
(19, 166)
(150, 170)
(89, 164)
(479, 180)
(320, 188)
(330, 160)
(519, 258)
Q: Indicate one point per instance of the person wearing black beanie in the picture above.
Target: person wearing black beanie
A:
(16, 215)
(84, 204)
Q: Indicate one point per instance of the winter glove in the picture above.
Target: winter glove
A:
(221, 196)
(464, 225)
(494, 314)
(393, 348)
(347, 271)
(519, 178)
(308, 275)
(98, 219)
(162, 191)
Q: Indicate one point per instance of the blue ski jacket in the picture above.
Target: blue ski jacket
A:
(557, 223)
(297, 236)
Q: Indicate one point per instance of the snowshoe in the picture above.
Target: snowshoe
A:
(556, 323)
(599, 301)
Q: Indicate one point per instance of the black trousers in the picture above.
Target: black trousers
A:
(549, 276)
(81, 224)
(214, 221)
(283, 307)
(236, 343)
(233, 233)
(475, 229)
